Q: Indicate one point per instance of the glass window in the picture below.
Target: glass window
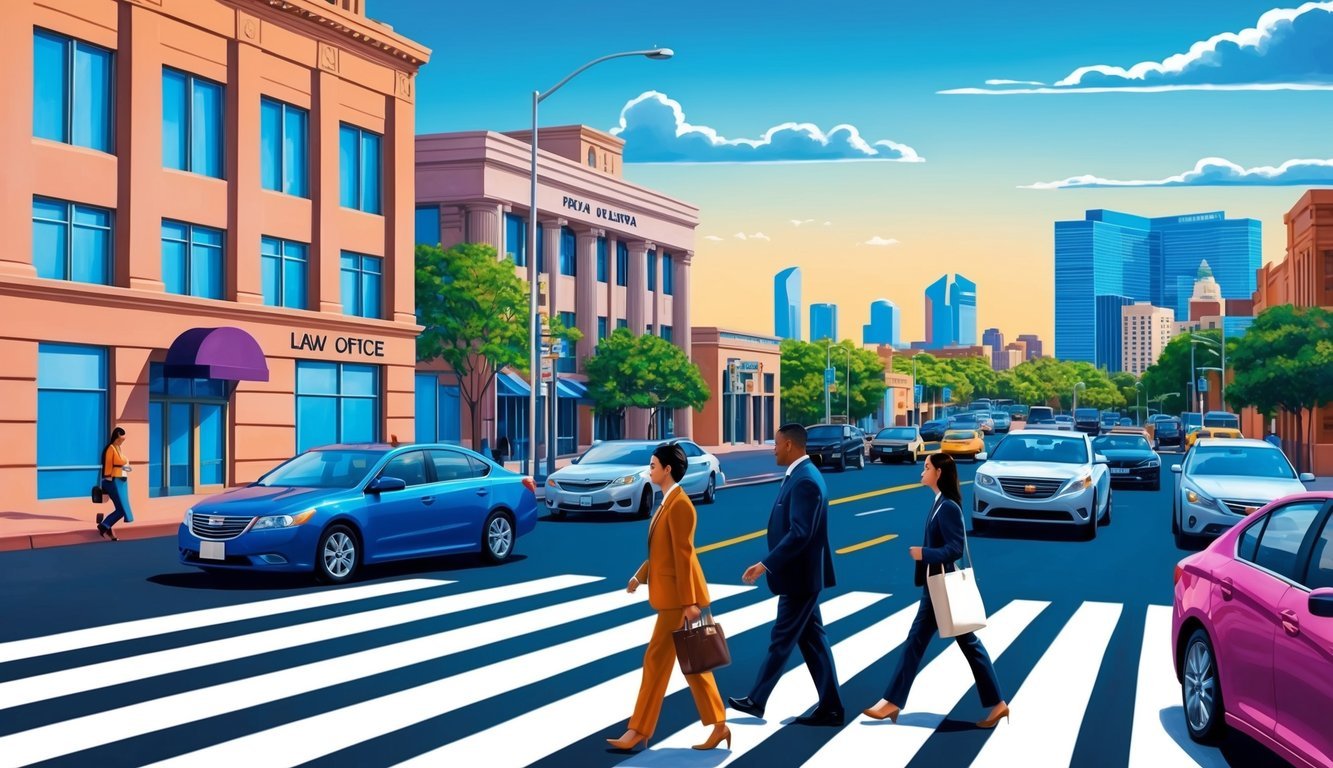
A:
(426, 408)
(1320, 572)
(73, 91)
(71, 419)
(192, 259)
(1249, 541)
(666, 332)
(568, 252)
(192, 137)
(652, 270)
(71, 241)
(479, 467)
(323, 469)
(336, 403)
(362, 284)
(1248, 461)
(284, 266)
(359, 156)
(622, 264)
(602, 265)
(541, 248)
(1282, 536)
(668, 280)
(452, 465)
(516, 239)
(409, 467)
(601, 327)
(284, 132)
(428, 225)
(622, 323)
(1065, 450)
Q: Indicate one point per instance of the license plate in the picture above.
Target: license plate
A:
(585, 501)
(1119, 471)
(212, 550)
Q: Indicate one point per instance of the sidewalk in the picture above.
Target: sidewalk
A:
(70, 521)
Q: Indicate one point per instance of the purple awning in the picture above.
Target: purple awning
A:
(224, 353)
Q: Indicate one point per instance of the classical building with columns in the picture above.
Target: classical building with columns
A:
(614, 255)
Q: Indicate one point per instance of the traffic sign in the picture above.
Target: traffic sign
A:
(947, 394)
(547, 369)
(1203, 384)
(829, 376)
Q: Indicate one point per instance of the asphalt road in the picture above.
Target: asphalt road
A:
(536, 661)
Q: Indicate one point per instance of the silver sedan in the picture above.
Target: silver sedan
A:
(1043, 476)
(1222, 481)
(612, 476)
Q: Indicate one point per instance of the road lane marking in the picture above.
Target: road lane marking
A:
(938, 689)
(866, 544)
(873, 494)
(1159, 738)
(313, 737)
(729, 542)
(124, 670)
(790, 697)
(16, 650)
(874, 511)
(1053, 700)
(535, 734)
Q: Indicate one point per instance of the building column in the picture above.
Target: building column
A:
(484, 224)
(636, 293)
(245, 196)
(680, 330)
(585, 296)
(139, 147)
(612, 244)
(16, 134)
(400, 192)
(325, 264)
(551, 262)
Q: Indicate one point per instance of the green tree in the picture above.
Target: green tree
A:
(936, 373)
(803, 380)
(867, 380)
(474, 313)
(647, 371)
(1285, 360)
(1171, 371)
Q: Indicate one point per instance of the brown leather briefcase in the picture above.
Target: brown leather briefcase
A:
(701, 647)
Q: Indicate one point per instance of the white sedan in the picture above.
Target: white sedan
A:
(1043, 476)
(612, 476)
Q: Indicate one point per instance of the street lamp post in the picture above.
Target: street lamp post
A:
(1138, 411)
(1196, 339)
(828, 417)
(916, 405)
(534, 323)
(849, 384)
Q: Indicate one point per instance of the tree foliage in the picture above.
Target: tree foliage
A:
(629, 371)
(803, 380)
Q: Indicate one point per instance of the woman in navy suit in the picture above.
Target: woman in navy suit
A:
(943, 546)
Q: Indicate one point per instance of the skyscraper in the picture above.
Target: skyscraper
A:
(939, 320)
(884, 326)
(951, 312)
(1033, 343)
(787, 304)
(995, 340)
(823, 322)
(963, 306)
(1133, 258)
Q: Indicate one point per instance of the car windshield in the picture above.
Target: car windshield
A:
(1221, 419)
(824, 433)
(959, 434)
(1063, 450)
(1087, 414)
(965, 417)
(1064, 417)
(896, 433)
(323, 469)
(932, 425)
(1240, 460)
(636, 455)
(1120, 443)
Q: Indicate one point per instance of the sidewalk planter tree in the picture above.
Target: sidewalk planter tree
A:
(629, 371)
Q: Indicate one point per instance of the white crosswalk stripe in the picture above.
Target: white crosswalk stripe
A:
(1050, 705)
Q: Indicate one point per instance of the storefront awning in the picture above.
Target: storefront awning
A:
(577, 390)
(513, 385)
(224, 353)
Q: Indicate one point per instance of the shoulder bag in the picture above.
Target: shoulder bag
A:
(955, 597)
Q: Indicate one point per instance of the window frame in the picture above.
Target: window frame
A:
(569, 253)
(603, 260)
(427, 468)
(284, 183)
(71, 208)
(282, 258)
(340, 368)
(1316, 533)
(360, 272)
(668, 283)
(187, 151)
(622, 264)
(104, 414)
(71, 83)
(359, 183)
(1301, 563)
(189, 258)
(651, 256)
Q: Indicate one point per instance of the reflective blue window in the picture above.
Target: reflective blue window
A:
(622, 323)
(192, 137)
(668, 282)
(73, 91)
(601, 327)
(568, 252)
(71, 419)
(192, 259)
(516, 239)
(336, 403)
(359, 156)
(283, 147)
(362, 284)
(567, 363)
(602, 266)
(284, 265)
(666, 332)
(428, 225)
(427, 415)
(622, 264)
(541, 248)
(71, 241)
(652, 270)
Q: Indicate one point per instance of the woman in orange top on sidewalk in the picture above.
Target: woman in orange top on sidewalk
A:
(115, 485)
(677, 590)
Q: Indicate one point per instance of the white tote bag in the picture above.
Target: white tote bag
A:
(955, 597)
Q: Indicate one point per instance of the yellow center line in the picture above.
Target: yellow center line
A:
(729, 542)
(864, 544)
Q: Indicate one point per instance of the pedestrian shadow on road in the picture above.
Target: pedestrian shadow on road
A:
(239, 581)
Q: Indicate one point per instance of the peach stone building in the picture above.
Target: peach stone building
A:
(208, 241)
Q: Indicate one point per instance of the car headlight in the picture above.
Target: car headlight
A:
(985, 480)
(189, 517)
(1078, 484)
(283, 521)
(550, 482)
(1151, 463)
(626, 480)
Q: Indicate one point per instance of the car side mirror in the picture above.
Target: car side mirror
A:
(1175, 468)
(386, 484)
(1100, 459)
(1321, 602)
(982, 456)
(1307, 477)
(575, 460)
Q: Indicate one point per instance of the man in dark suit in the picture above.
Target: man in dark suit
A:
(799, 564)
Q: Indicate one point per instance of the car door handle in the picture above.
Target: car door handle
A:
(1227, 588)
(482, 491)
(1290, 622)
(427, 500)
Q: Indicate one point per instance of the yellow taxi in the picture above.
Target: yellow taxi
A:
(1222, 432)
(962, 442)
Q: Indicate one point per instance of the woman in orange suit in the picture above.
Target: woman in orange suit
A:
(677, 590)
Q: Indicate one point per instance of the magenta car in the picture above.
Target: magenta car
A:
(1253, 631)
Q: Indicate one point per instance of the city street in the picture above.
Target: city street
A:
(115, 655)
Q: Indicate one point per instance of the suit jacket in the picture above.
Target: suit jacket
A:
(799, 561)
(672, 570)
(943, 542)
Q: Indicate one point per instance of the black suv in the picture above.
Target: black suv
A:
(836, 445)
(1168, 432)
(933, 431)
(1088, 421)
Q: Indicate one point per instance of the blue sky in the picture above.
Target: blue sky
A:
(742, 68)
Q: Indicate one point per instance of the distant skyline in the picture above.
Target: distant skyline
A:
(787, 304)
(824, 322)
(877, 154)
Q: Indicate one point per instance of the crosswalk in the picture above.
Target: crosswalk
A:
(425, 672)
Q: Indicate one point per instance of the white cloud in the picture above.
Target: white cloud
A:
(1286, 49)
(799, 222)
(654, 129)
(1214, 172)
(828, 223)
(755, 236)
(880, 241)
(714, 238)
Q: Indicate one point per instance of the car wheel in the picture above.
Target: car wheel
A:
(497, 537)
(710, 493)
(1200, 692)
(842, 462)
(860, 460)
(1183, 540)
(337, 555)
(1107, 520)
(646, 502)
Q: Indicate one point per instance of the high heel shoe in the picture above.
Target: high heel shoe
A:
(889, 711)
(999, 713)
(718, 736)
(629, 746)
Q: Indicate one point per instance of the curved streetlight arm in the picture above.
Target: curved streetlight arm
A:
(652, 53)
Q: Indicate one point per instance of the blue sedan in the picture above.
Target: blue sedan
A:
(332, 509)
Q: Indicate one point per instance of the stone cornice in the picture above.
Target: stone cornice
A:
(361, 30)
